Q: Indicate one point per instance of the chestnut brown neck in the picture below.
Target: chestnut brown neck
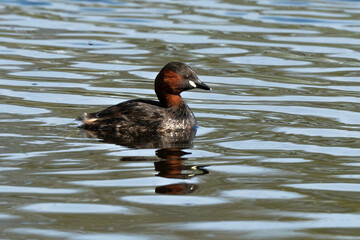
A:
(168, 89)
(171, 100)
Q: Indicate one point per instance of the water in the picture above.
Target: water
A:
(276, 155)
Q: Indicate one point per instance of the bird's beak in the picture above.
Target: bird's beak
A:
(199, 84)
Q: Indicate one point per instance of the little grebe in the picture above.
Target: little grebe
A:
(139, 116)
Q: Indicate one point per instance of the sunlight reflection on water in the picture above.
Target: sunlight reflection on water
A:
(277, 146)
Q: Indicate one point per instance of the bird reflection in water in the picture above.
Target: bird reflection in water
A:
(170, 153)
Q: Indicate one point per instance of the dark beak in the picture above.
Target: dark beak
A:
(201, 85)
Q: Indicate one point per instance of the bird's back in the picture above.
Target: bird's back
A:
(139, 116)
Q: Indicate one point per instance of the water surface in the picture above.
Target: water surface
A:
(276, 154)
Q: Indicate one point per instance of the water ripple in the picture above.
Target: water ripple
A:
(76, 208)
(279, 131)
(36, 190)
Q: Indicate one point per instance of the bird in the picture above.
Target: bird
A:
(138, 116)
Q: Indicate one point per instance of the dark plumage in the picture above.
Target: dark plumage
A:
(139, 116)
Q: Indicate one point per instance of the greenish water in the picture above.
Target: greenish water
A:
(276, 154)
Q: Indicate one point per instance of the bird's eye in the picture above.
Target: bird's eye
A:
(187, 76)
